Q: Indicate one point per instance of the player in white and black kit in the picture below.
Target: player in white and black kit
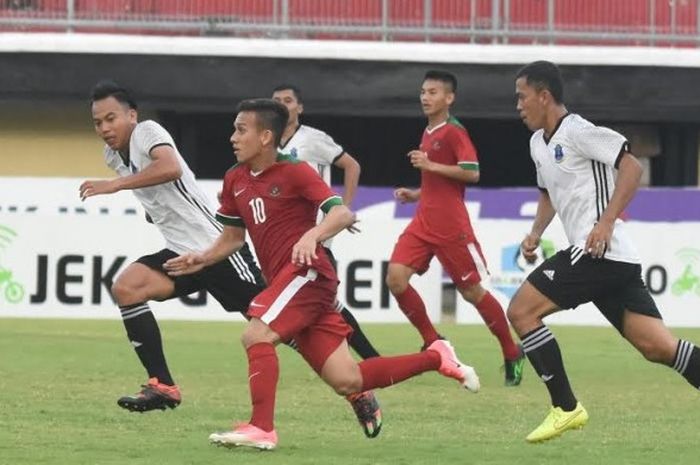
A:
(321, 152)
(576, 163)
(147, 162)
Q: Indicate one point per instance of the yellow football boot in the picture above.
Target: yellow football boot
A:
(557, 422)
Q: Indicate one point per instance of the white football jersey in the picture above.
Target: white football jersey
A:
(180, 209)
(316, 148)
(576, 167)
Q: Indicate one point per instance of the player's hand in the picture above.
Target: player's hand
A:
(92, 188)
(419, 160)
(528, 247)
(353, 229)
(304, 251)
(404, 195)
(598, 241)
(184, 264)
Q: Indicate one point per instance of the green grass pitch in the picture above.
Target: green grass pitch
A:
(59, 381)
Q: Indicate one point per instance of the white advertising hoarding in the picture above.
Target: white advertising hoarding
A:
(58, 255)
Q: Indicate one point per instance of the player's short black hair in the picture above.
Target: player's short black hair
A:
(106, 88)
(270, 114)
(442, 76)
(295, 90)
(544, 75)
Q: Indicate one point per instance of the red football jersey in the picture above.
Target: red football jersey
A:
(441, 214)
(277, 206)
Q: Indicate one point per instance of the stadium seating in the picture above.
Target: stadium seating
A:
(636, 18)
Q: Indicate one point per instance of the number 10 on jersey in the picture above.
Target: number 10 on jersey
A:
(258, 207)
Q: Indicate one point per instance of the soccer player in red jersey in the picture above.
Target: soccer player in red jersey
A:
(276, 199)
(441, 227)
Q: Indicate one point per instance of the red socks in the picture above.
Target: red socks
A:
(379, 372)
(413, 307)
(263, 373)
(492, 314)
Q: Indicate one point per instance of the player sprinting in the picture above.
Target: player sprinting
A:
(276, 199)
(575, 162)
(147, 161)
(441, 227)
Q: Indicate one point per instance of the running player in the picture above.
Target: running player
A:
(147, 162)
(441, 227)
(575, 162)
(277, 200)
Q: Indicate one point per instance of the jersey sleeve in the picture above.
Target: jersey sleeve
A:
(325, 149)
(464, 150)
(540, 181)
(600, 144)
(228, 213)
(149, 135)
(310, 186)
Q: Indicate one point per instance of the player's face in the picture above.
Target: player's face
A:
(248, 138)
(113, 122)
(531, 104)
(287, 98)
(435, 97)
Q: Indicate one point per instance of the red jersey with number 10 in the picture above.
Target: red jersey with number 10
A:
(277, 206)
(441, 213)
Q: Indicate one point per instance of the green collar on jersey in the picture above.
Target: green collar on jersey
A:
(454, 121)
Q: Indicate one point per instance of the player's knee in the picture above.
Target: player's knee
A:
(473, 294)
(346, 385)
(255, 334)
(517, 316)
(655, 352)
(396, 283)
(123, 293)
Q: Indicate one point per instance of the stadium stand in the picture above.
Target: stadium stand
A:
(622, 22)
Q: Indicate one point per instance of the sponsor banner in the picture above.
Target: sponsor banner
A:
(58, 255)
(670, 254)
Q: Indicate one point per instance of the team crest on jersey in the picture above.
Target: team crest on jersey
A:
(558, 153)
(294, 153)
(436, 145)
(274, 191)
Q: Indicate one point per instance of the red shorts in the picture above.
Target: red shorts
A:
(462, 259)
(300, 305)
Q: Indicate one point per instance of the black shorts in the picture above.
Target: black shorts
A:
(571, 278)
(227, 282)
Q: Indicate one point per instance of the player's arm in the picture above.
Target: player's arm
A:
(406, 195)
(229, 241)
(164, 168)
(628, 177)
(351, 176)
(467, 173)
(543, 217)
(337, 217)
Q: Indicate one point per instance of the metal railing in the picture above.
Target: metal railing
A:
(613, 22)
